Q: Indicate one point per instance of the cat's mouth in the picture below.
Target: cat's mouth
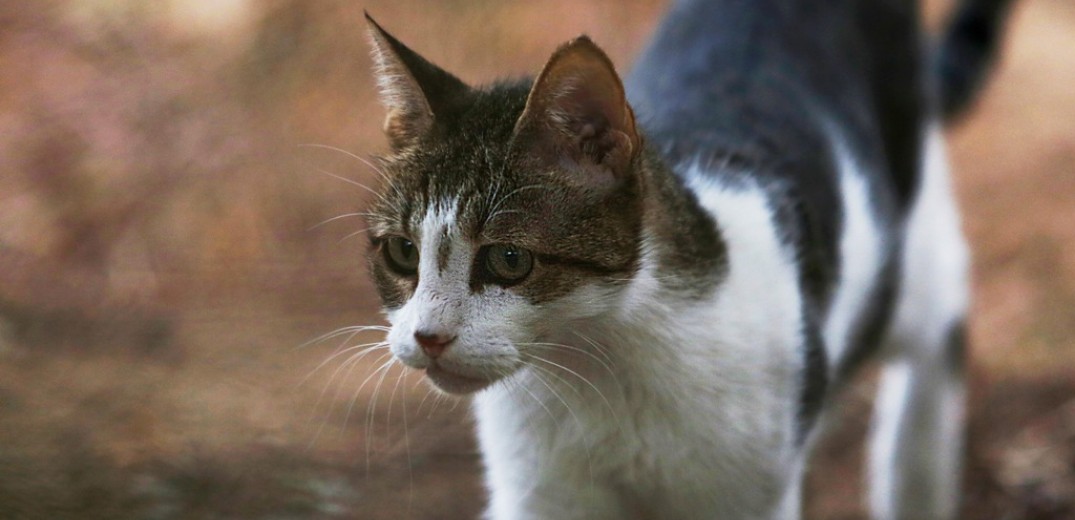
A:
(454, 383)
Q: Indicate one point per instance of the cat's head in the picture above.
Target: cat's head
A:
(507, 213)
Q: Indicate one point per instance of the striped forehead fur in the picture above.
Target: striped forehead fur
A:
(469, 162)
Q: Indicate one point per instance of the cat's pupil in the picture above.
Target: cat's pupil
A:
(507, 264)
(511, 258)
(402, 256)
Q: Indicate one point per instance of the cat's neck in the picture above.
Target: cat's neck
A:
(682, 240)
(714, 274)
(683, 258)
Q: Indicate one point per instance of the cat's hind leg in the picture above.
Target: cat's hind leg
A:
(917, 444)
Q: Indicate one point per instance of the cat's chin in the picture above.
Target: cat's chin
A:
(453, 383)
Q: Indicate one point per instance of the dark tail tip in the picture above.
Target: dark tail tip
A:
(967, 52)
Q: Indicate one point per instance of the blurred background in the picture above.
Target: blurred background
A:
(170, 174)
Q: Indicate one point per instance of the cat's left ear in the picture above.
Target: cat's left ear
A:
(577, 113)
(414, 91)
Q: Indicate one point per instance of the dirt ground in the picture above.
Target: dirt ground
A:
(166, 267)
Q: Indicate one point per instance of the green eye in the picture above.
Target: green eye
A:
(402, 255)
(508, 264)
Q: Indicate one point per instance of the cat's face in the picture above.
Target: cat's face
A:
(507, 213)
(473, 280)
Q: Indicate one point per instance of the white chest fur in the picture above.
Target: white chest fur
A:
(688, 406)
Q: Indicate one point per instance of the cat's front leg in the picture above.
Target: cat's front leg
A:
(537, 467)
(516, 500)
(533, 490)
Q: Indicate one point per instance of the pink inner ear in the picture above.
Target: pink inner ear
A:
(593, 138)
(588, 95)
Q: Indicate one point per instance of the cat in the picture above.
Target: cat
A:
(652, 287)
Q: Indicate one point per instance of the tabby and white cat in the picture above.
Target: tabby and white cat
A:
(651, 299)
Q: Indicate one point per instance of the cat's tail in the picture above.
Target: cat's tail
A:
(967, 50)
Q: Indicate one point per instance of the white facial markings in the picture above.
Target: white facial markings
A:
(430, 308)
(438, 288)
(484, 324)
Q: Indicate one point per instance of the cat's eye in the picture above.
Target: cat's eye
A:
(402, 255)
(508, 264)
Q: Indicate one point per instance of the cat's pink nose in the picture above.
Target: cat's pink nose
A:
(433, 344)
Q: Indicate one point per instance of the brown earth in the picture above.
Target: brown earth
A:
(161, 263)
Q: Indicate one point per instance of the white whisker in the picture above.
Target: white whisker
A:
(340, 331)
(391, 400)
(584, 380)
(349, 362)
(371, 408)
(363, 347)
(603, 350)
(339, 217)
(521, 386)
(429, 391)
(349, 181)
(368, 438)
(582, 427)
(361, 159)
(558, 378)
(496, 206)
(350, 365)
(605, 363)
(407, 448)
(351, 235)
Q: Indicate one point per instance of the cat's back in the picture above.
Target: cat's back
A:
(818, 105)
(759, 84)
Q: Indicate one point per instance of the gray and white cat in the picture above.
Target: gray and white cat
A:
(651, 291)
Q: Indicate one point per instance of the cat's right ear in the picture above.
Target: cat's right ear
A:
(412, 89)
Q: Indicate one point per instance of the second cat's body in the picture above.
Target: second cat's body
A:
(653, 305)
